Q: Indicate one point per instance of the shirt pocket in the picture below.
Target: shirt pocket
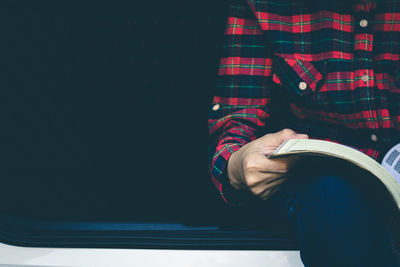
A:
(299, 77)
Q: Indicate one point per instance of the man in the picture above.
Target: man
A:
(310, 69)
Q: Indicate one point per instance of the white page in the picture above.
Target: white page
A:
(391, 162)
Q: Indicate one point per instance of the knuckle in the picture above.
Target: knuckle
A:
(251, 182)
(266, 136)
(267, 194)
(254, 191)
(282, 168)
(250, 163)
(259, 191)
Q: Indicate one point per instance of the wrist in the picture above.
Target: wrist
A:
(232, 171)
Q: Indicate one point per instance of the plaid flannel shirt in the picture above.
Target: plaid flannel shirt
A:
(322, 69)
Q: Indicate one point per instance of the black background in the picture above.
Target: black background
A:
(104, 109)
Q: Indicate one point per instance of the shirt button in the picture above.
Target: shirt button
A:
(365, 78)
(216, 107)
(374, 138)
(302, 86)
(363, 23)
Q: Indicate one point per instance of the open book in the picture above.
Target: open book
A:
(387, 173)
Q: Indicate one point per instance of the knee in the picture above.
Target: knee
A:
(333, 216)
(331, 198)
(330, 189)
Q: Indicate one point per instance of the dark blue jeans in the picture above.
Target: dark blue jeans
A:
(339, 215)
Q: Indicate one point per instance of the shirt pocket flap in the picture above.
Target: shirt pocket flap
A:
(298, 76)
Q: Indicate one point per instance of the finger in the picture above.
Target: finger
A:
(264, 180)
(268, 186)
(260, 163)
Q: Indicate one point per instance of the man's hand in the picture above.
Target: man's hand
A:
(249, 168)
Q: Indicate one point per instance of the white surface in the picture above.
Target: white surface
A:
(38, 257)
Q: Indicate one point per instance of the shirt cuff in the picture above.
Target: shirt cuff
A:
(233, 196)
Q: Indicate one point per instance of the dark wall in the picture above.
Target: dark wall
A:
(104, 107)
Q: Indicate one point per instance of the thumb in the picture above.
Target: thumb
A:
(293, 136)
(276, 139)
(285, 134)
(299, 136)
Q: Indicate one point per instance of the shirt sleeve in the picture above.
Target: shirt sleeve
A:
(239, 107)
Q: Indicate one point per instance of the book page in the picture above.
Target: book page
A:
(330, 149)
(391, 162)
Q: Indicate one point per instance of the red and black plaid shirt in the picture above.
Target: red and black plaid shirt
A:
(325, 70)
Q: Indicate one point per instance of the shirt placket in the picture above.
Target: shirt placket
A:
(363, 71)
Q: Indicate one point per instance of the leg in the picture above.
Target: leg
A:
(337, 222)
